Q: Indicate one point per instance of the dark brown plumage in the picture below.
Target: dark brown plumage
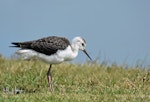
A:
(47, 45)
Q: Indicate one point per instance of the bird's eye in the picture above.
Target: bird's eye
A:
(82, 44)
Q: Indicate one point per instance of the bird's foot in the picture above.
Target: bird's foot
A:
(50, 83)
(51, 87)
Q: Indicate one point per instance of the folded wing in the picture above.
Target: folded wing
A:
(48, 45)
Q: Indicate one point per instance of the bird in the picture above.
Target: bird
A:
(51, 50)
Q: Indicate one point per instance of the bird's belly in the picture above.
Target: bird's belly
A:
(52, 59)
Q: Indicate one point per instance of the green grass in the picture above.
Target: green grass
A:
(73, 83)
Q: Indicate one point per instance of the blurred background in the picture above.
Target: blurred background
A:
(116, 31)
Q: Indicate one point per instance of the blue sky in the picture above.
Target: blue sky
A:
(118, 30)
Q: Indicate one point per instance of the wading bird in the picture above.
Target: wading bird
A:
(52, 50)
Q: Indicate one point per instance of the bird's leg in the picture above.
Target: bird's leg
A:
(49, 77)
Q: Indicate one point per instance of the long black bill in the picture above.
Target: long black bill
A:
(87, 54)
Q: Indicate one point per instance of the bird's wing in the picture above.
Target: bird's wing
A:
(48, 45)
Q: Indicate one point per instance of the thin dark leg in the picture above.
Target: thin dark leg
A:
(49, 77)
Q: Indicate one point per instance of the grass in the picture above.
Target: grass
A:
(73, 83)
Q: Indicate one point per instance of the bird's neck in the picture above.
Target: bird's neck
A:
(74, 47)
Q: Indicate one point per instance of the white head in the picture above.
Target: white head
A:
(78, 43)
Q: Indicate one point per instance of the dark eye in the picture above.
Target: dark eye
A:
(82, 44)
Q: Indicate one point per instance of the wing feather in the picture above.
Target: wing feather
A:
(48, 45)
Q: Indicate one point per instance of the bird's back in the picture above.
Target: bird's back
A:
(47, 45)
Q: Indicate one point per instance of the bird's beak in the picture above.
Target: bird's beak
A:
(87, 54)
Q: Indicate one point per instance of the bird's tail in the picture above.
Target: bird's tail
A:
(15, 44)
(23, 45)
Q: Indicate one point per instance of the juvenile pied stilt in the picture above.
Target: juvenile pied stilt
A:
(52, 50)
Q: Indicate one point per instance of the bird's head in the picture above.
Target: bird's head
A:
(80, 43)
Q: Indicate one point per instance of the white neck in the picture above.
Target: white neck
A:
(75, 47)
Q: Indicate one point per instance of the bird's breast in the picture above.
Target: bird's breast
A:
(67, 54)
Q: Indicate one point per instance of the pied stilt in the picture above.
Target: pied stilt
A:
(52, 50)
